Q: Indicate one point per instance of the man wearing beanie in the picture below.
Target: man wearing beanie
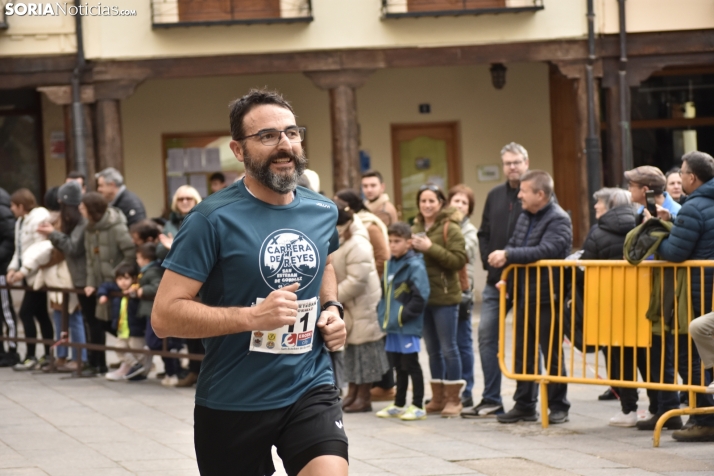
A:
(642, 179)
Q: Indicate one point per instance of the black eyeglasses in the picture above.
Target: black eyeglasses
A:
(272, 136)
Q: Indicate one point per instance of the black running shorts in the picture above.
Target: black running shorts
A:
(239, 443)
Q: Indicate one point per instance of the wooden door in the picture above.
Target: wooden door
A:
(423, 153)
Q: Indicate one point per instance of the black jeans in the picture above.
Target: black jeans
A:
(526, 396)
(9, 319)
(96, 330)
(407, 365)
(628, 359)
(625, 357)
(34, 307)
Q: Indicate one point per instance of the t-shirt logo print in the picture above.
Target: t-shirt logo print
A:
(288, 256)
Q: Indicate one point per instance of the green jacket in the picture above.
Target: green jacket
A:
(643, 242)
(444, 260)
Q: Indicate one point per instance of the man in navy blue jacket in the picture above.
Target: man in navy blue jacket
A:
(692, 238)
(543, 231)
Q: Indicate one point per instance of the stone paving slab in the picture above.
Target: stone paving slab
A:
(54, 425)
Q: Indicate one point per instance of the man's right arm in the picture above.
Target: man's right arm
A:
(177, 314)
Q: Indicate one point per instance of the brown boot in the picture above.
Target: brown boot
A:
(437, 397)
(452, 392)
(380, 394)
(363, 402)
(188, 380)
(351, 395)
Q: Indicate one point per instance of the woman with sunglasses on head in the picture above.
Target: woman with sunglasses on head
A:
(185, 198)
(437, 235)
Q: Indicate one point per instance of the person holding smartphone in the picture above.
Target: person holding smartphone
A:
(644, 179)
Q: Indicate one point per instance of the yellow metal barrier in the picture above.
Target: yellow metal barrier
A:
(612, 316)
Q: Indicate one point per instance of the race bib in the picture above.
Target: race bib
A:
(294, 339)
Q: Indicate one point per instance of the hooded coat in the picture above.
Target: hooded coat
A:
(7, 231)
(606, 239)
(405, 287)
(107, 244)
(358, 286)
(692, 238)
(444, 260)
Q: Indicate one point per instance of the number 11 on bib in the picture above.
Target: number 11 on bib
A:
(293, 339)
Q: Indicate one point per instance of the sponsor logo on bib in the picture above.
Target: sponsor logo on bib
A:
(286, 257)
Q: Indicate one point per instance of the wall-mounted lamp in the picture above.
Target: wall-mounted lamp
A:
(498, 75)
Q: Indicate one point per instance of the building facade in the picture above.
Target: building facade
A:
(422, 90)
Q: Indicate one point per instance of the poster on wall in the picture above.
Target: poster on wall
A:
(199, 182)
(488, 173)
(57, 145)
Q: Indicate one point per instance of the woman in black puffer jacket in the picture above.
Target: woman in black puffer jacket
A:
(615, 218)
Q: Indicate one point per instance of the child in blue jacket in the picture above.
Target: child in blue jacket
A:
(405, 291)
(125, 321)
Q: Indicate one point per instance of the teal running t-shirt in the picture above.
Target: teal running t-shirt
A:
(242, 249)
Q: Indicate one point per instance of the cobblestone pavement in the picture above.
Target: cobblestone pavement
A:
(54, 425)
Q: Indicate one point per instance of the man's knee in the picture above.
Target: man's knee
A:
(702, 326)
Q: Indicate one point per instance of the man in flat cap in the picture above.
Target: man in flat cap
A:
(644, 178)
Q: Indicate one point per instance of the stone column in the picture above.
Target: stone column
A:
(345, 127)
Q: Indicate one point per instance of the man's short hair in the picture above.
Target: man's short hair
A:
(74, 175)
(217, 176)
(126, 269)
(400, 229)
(145, 229)
(147, 251)
(110, 174)
(23, 196)
(242, 106)
(540, 180)
(373, 173)
(701, 164)
(515, 148)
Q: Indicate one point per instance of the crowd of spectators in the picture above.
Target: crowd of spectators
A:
(398, 282)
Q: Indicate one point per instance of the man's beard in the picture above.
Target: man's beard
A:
(277, 182)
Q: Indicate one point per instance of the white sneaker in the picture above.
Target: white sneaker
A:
(119, 373)
(644, 416)
(169, 381)
(625, 420)
(710, 388)
(413, 413)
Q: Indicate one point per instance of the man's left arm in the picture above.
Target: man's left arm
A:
(555, 242)
(687, 229)
(330, 324)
